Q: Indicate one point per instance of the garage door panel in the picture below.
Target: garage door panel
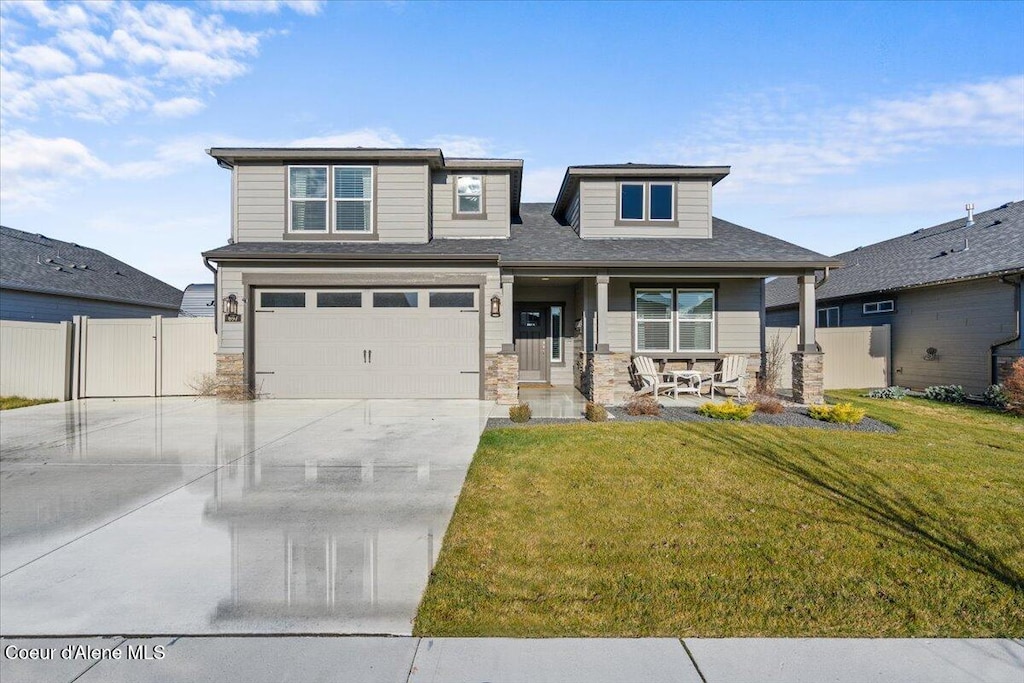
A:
(416, 352)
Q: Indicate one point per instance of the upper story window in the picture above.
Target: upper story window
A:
(873, 307)
(347, 189)
(469, 194)
(646, 201)
(307, 198)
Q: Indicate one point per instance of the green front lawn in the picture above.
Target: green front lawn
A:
(9, 402)
(658, 529)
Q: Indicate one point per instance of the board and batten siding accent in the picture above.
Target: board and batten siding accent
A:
(737, 314)
(496, 221)
(400, 210)
(599, 211)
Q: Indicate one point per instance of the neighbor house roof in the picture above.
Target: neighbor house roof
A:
(573, 174)
(942, 253)
(229, 156)
(34, 263)
(538, 239)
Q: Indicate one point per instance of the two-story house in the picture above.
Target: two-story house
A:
(399, 273)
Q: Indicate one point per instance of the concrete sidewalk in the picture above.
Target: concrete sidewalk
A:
(506, 660)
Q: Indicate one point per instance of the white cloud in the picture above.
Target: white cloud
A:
(307, 7)
(364, 137)
(772, 140)
(177, 107)
(461, 145)
(43, 59)
(125, 58)
(32, 168)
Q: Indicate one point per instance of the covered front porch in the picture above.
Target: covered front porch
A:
(571, 335)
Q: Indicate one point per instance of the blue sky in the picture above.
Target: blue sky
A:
(844, 124)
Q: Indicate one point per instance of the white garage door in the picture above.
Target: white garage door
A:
(386, 343)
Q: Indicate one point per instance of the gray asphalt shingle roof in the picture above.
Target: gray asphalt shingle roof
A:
(995, 245)
(539, 239)
(35, 263)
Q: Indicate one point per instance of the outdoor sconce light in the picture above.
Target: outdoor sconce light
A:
(231, 314)
(495, 306)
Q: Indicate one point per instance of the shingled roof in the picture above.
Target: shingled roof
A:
(538, 239)
(942, 253)
(35, 263)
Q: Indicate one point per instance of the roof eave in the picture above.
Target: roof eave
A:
(232, 155)
(19, 287)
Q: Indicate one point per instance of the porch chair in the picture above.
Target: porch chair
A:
(733, 375)
(654, 382)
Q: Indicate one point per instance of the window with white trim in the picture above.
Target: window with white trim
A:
(556, 334)
(307, 198)
(674, 319)
(872, 307)
(646, 201)
(828, 317)
(335, 199)
(469, 194)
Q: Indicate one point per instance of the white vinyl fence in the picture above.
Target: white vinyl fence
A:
(106, 357)
(855, 357)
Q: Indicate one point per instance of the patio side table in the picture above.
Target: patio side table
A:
(693, 381)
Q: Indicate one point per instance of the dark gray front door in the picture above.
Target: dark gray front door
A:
(532, 343)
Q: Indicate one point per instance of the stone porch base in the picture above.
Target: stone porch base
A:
(808, 377)
(501, 378)
(231, 376)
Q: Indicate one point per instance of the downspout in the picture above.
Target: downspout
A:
(824, 279)
(994, 370)
(216, 305)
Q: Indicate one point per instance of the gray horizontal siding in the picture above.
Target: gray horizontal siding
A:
(599, 211)
(401, 212)
(497, 211)
(48, 308)
(737, 314)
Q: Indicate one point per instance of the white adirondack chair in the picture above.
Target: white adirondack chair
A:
(654, 382)
(733, 375)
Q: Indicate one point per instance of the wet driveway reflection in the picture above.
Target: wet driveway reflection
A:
(178, 516)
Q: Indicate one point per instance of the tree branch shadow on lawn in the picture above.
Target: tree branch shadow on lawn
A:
(869, 495)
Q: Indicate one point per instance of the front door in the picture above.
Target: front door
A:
(532, 343)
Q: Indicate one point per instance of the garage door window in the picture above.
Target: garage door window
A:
(283, 299)
(395, 300)
(451, 299)
(339, 299)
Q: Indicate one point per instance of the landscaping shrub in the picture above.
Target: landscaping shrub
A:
(520, 412)
(894, 392)
(727, 410)
(766, 403)
(843, 413)
(642, 405)
(595, 412)
(949, 393)
(995, 396)
(1014, 387)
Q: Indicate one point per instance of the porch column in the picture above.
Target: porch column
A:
(601, 340)
(808, 360)
(507, 314)
(808, 314)
(501, 381)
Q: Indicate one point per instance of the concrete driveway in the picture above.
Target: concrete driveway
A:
(194, 516)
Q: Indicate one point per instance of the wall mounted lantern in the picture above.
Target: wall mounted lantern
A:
(495, 306)
(231, 314)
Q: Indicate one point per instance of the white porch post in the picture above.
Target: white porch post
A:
(602, 314)
(507, 314)
(808, 314)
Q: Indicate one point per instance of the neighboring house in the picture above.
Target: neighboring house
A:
(951, 292)
(401, 273)
(199, 301)
(47, 280)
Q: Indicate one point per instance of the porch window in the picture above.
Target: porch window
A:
(556, 334)
(675, 319)
(828, 317)
(695, 316)
(654, 319)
